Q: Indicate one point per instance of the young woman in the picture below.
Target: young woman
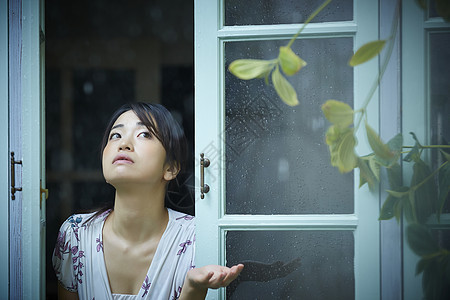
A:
(139, 249)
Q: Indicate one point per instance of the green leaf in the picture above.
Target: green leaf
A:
(425, 195)
(381, 150)
(394, 173)
(365, 173)
(446, 155)
(421, 265)
(420, 240)
(251, 68)
(414, 154)
(375, 167)
(346, 153)
(367, 52)
(338, 113)
(284, 88)
(400, 192)
(387, 210)
(395, 146)
(289, 61)
(444, 187)
(408, 207)
(341, 143)
(398, 209)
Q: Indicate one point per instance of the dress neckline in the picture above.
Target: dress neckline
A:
(102, 262)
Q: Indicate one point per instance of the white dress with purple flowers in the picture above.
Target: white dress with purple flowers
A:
(80, 267)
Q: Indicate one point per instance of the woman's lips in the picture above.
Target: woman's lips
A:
(122, 159)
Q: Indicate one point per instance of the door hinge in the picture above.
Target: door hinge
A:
(43, 191)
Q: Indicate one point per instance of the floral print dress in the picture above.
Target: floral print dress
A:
(80, 267)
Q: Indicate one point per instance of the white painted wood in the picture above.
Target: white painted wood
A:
(288, 30)
(15, 138)
(32, 149)
(390, 125)
(414, 117)
(207, 130)
(4, 153)
(367, 235)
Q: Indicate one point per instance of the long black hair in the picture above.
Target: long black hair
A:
(161, 124)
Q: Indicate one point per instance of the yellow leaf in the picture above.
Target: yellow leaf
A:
(338, 113)
(284, 88)
(251, 68)
(367, 52)
(289, 61)
(346, 153)
(341, 144)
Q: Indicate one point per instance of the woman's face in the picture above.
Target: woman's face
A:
(132, 155)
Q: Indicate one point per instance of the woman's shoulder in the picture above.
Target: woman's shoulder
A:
(181, 218)
(82, 220)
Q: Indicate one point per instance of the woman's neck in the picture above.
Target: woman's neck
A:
(139, 213)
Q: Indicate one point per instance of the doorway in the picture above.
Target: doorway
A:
(100, 55)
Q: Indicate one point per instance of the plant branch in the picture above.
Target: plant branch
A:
(312, 16)
(428, 177)
(377, 81)
(429, 146)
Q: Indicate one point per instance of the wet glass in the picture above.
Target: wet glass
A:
(277, 161)
(440, 96)
(309, 265)
(265, 12)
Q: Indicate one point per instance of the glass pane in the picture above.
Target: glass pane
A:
(261, 12)
(276, 155)
(292, 264)
(440, 95)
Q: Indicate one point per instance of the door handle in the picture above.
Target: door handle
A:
(14, 189)
(204, 163)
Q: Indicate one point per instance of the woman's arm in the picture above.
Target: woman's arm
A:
(64, 294)
(199, 280)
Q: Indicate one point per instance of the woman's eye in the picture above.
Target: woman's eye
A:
(114, 136)
(145, 134)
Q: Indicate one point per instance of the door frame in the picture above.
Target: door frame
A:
(4, 152)
(25, 49)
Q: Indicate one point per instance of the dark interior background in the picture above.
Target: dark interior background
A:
(99, 55)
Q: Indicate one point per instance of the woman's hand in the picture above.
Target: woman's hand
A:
(199, 280)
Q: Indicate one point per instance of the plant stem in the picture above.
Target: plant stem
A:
(428, 177)
(429, 146)
(376, 83)
(312, 16)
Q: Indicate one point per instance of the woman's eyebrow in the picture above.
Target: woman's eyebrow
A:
(121, 125)
(117, 126)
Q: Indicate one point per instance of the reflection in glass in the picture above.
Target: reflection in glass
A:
(440, 95)
(325, 271)
(277, 159)
(266, 12)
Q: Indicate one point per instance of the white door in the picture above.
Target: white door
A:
(22, 118)
(303, 230)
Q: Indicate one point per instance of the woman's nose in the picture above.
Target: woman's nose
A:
(126, 144)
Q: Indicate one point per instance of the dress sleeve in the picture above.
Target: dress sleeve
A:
(62, 258)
